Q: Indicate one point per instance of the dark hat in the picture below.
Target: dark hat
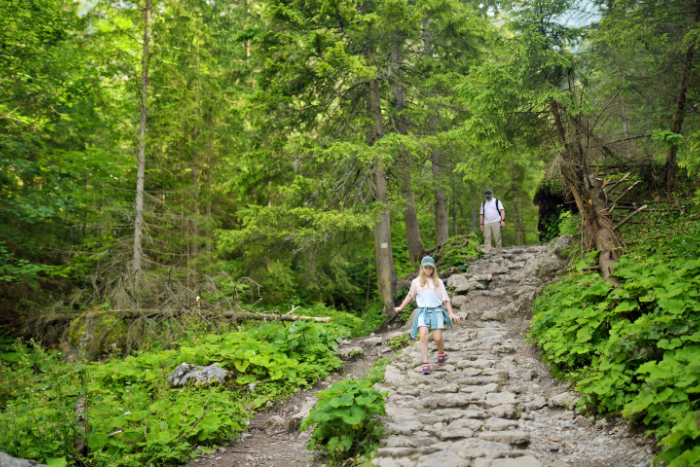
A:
(488, 192)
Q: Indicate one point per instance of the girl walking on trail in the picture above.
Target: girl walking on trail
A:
(431, 297)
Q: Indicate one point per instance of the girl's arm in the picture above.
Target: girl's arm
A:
(446, 303)
(408, 299)
(448, 307)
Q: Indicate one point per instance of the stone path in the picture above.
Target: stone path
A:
(495, 403)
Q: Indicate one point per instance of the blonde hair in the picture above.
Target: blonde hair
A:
(422, 279)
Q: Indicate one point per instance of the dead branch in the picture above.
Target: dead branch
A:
(146, 314)
(631, 208)
(615, 185)
(629, 217)
(625, 192)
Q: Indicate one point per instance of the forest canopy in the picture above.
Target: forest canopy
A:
(167, 154)
(175, 175)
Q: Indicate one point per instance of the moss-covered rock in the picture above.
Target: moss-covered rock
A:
(96, 333)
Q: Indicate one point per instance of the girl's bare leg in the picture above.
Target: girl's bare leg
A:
(439, 341)
(424, 332)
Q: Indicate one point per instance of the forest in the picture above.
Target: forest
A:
(181, 179)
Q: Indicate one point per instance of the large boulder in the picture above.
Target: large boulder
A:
(469, 286)
(8, 461)
(490, 266)
(545, 262)
(187, 373)
(458, 301)
(303, 413)
(456, 280)
(94, 334)
(566, 400)
(559, 244)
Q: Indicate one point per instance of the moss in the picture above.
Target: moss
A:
(95, 333)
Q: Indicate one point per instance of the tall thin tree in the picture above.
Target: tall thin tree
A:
(141, 170)
(410, 214)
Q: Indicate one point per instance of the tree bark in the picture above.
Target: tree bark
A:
(671, 169)
(410, 214)
(141, 169)
(194, 247)
(454, 208)
(192, 271)
(386, 276)
(442, 227)
(590, 198)
(516, 214)
(623, 107)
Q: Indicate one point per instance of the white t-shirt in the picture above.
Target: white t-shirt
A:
(492, 215)
(428, 296)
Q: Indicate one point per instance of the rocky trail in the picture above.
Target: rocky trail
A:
(494, 404)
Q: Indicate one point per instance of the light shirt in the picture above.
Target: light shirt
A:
(428, 296)
(492, 214)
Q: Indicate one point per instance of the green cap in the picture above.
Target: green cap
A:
(427, 261)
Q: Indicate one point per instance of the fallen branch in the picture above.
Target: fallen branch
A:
(622, 222)
(231, 315)
(625, 192)
(590, 268)
(630, 208)
(616, 184)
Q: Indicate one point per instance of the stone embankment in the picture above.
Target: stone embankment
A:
(495, 404)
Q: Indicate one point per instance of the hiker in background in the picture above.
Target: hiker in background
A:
(432, 300)
(492, 218)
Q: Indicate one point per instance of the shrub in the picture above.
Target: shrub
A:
(459, 252)
(634, 349)
(343, 419)
(398, 342)
(127, 413)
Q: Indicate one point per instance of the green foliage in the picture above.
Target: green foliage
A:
(568, 223)
(376, 373)
(372, 319)
(459, 252)
(634, 349)
(17, 270)
(342, 420)
(398, 342)
(126, 411)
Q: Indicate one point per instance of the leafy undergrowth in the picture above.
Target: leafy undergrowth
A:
(126, 413)
(358, 326)
(634, 350)
(344, 421)
(459, 252)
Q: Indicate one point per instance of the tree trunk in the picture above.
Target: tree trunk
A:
(386, 277)
(623, 108)
(454, 208)
(209, 171)
(514, 192)
(192, 272)
(442, 227)
(141, 170)
(591, 200)
(671, 169)
(410, 215)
